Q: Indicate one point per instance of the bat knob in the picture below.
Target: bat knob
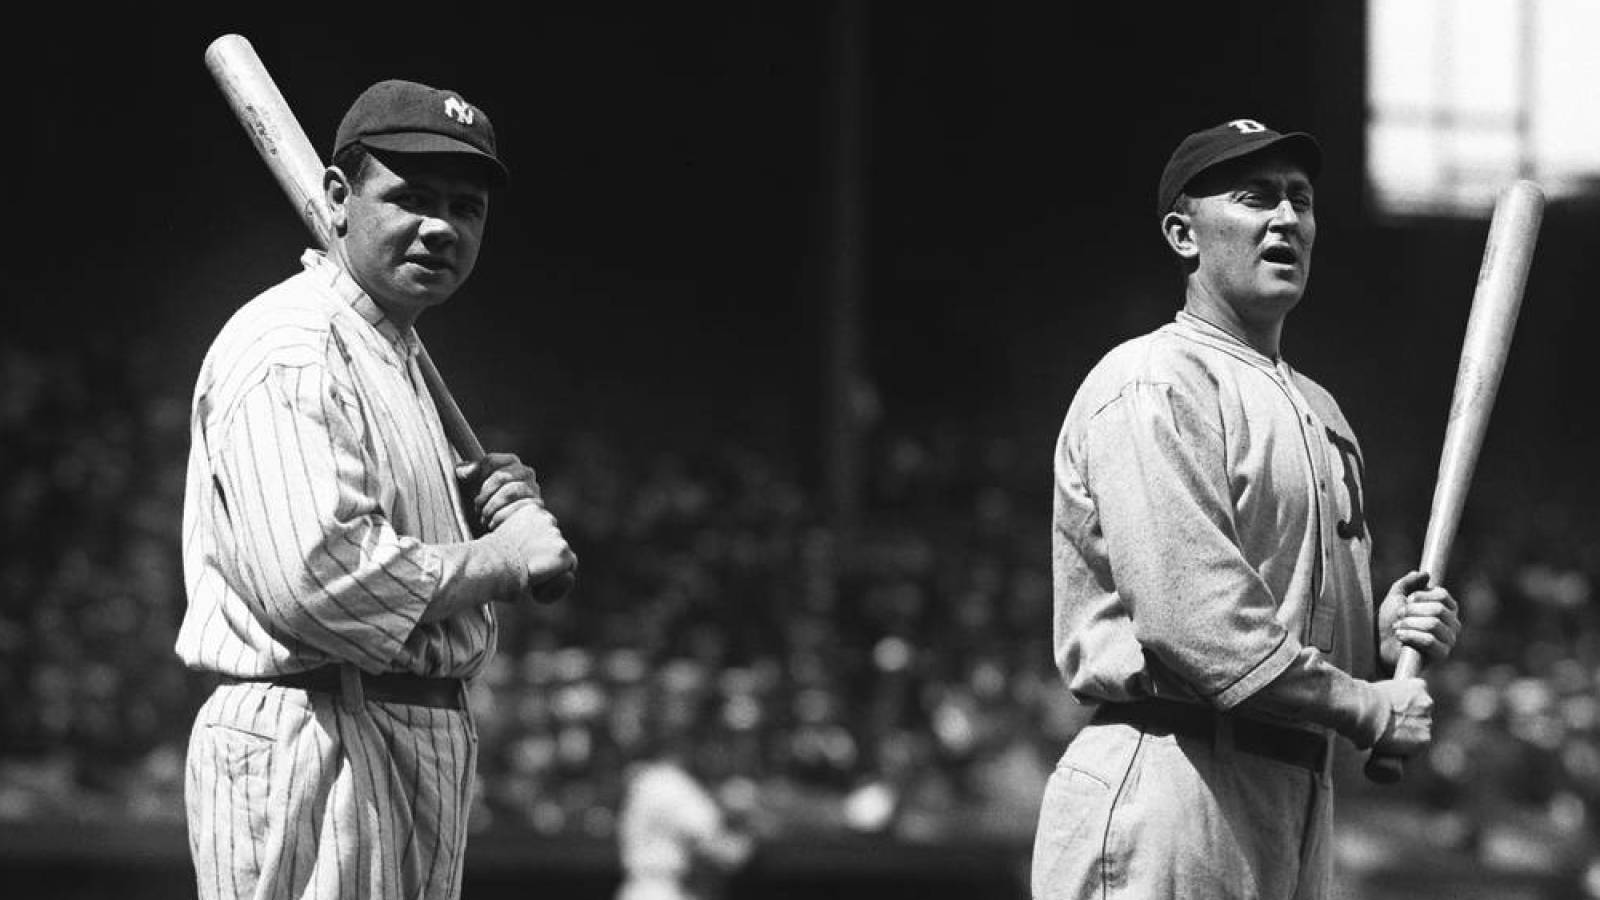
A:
(555, 589)
(1385, 768)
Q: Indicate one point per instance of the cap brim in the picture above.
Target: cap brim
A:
(427, 142)
(1297, 145)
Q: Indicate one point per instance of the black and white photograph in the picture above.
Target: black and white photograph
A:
(837, 449)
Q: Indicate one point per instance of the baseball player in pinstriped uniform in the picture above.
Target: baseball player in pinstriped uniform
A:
(1212, 569)
(334, 583)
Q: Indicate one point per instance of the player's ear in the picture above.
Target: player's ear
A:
(1178, 229)
(336, 190)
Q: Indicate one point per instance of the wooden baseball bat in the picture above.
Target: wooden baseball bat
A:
(294, 162)
(1513, 232)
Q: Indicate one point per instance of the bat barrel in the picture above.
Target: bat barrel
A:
(1496, 301)
(275, 133)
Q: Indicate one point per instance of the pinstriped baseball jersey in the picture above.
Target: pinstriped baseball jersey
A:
(319, 484)
(318, 477)
(1210, 536)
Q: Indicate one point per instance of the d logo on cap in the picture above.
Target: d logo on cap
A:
(1229, 140)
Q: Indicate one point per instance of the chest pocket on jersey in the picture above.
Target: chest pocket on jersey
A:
(1356, 526)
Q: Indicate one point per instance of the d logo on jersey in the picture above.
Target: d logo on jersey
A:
(1356, 526)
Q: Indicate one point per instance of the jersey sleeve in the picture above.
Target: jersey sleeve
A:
(1156, 469)
(316, 559)
(1312, 689)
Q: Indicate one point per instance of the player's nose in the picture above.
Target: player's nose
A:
(437, 231)
(1285, 216)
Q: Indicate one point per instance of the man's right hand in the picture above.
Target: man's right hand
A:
(529, 533)
(1410, 716)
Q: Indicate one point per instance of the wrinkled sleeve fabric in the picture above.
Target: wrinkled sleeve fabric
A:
(1312, 689)
(1155, 466)
(323, 565)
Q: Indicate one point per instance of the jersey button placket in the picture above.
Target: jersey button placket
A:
(1319, 616)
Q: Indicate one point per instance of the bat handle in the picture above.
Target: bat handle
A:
(461, 436)
(1388, 768)
(456, 427)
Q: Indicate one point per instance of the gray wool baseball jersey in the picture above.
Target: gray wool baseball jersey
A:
(1210, 538)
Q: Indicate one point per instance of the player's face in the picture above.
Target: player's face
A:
(414, 224)
(1254, 226)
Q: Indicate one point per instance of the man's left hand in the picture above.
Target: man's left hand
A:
(1415, 615)
(502, 479)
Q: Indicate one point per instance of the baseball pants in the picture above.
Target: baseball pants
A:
(293, 794)
(1133, 814)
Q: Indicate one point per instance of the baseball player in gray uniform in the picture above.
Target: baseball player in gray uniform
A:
(334, 581)
(1212, 569)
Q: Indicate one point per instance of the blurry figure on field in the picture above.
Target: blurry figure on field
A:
(677, 841)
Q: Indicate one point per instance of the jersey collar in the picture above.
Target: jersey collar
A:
(1215, 336)
(332, 275)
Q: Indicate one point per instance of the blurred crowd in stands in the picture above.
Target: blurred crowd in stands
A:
(890, 676)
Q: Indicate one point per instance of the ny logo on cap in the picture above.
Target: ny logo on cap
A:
(1247, 126)
(457, 109)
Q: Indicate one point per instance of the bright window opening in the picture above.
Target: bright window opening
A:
(1466, 96)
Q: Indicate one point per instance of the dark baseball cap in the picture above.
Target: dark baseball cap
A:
(1231, 140)
(408, 117)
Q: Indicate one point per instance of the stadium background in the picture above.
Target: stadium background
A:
(792, 391)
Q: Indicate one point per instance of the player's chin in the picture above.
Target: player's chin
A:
(1283, 286)
(431, 291)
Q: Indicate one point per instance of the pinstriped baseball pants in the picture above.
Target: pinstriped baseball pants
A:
(1135, 814)
(291, 795)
